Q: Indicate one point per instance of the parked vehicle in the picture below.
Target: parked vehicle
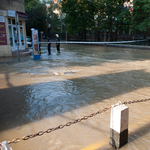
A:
(29, 41)
(29, 44)
(28, 38)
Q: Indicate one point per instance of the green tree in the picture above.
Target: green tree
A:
(37, 15)
(53, 18)
(112, 17)
(141, 14)
(79, 15)
(27, 2)
(123, 21)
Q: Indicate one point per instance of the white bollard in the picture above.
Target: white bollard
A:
(5, 146)
(119, 126)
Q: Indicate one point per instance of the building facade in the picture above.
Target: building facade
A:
(9, 28)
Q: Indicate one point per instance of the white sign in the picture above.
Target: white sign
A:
(11, 13)
(2, 19)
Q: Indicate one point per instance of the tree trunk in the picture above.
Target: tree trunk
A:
(85, 34)
(111, 36)
(116, 35)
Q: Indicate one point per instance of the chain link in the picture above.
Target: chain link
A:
(70, 123)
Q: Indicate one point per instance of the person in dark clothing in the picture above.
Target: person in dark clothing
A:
(49, 45)
(57, 43)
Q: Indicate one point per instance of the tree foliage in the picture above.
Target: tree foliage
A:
(41, 14)
(27, 2)
(36, 12)
(53, 18)
(110, 14)
(141, 14)
(79, 15)
(96, 15)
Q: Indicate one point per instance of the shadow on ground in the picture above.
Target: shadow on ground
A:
(25, 104)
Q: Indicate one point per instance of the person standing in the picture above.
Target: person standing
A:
(57, 43)
(49, 45)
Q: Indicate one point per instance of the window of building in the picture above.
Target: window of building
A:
(20, 22)
(9, 21)
(13, 34)
(21, 35)
(10, 36)
(13, 21)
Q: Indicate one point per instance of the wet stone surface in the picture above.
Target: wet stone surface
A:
(82, 79)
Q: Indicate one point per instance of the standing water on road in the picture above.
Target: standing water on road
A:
(82, 79)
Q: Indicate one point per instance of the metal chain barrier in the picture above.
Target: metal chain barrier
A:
(73, 122)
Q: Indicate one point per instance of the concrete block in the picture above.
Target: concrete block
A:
(119, 126)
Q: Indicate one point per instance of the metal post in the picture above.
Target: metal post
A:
(16, 20)
(119, 126)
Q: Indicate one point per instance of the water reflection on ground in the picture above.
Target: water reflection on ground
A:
(36, 95)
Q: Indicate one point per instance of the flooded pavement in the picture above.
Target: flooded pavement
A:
(37, 95)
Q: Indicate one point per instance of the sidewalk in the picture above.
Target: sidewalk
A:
(15, 59)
